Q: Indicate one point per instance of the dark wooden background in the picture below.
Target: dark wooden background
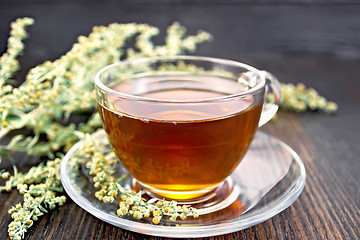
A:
(316, 42)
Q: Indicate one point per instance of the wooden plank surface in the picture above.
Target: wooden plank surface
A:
(317, 45)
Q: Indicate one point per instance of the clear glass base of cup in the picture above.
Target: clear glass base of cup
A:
(184, 196)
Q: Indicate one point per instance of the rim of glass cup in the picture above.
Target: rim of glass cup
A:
(254, 89)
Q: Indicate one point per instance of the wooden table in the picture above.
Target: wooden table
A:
(314, 42)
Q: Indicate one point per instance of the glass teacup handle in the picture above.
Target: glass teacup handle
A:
(271, 105)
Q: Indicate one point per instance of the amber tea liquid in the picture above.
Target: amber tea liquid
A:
(181, 146)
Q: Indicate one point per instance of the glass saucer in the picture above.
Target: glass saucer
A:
(268, 180)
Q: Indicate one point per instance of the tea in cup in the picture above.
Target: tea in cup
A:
(181, 125)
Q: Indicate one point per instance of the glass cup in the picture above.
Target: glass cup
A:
(180, 125)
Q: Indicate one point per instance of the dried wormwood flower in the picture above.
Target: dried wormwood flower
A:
(8, 63)
(298, 98)
(40, 187)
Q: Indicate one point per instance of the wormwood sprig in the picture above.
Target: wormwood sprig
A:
(42, 190)
(9, 65)
(100, 163)
(298, 98)
(53, 92)
(134, 205)
(25, 214)
(8, 62)
(46, 176)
